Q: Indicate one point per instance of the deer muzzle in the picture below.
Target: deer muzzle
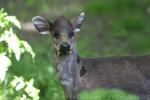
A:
(64, 49)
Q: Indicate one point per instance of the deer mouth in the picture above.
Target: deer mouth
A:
(64, 52)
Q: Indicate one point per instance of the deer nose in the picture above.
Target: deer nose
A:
(64, 47)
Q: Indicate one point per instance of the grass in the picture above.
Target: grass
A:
(102, 94)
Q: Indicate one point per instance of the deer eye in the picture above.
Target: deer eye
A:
(56, 35)
(71, 34)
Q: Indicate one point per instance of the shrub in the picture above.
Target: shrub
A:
(12, 86)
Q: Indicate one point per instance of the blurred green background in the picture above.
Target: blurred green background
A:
(110, 28)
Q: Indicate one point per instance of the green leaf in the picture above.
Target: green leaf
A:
(27, 48)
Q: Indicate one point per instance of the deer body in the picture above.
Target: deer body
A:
(131, 73)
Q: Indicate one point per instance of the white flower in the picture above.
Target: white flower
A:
(24, 97)
(4, 64)
(31, 90)
(18, 83)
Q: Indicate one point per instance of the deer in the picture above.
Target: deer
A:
(76, 73)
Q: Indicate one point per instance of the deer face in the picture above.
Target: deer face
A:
(62, 31)
(63, 35)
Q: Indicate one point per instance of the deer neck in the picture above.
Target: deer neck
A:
(65, 66)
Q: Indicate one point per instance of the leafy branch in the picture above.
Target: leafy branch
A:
(10, 44)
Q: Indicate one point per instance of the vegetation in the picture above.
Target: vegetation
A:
(101, 94)
(125, 25)
(12, 86)
(116, 27)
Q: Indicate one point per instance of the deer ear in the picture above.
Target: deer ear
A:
(77, 21)
(42, 25)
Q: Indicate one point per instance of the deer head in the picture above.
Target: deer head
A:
(61, 30)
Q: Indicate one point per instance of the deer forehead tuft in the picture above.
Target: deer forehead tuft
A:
(62, 22)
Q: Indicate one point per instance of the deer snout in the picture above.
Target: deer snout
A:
(64, 48)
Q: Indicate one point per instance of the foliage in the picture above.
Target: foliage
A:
(12, 86)
(125, 25)
(102, 94)
(18, 89)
